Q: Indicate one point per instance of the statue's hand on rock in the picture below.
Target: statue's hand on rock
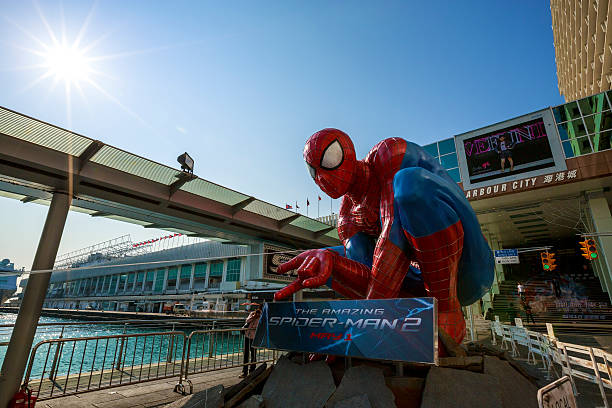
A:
(314, 268)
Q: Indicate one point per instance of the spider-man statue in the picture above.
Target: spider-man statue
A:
(399, 206)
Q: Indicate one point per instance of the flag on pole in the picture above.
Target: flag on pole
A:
(296, 206)
(319, 198)
(307, 203)
(288, 207)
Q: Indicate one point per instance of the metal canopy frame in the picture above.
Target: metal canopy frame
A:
(38, 158)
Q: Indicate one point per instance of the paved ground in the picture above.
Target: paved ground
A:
(148, 394)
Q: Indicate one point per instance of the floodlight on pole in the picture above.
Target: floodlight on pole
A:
(186, 162)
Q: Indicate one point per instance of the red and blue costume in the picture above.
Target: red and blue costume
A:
(399, 206)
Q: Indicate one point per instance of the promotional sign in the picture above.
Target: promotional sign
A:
(506, 256)
(274, 256)
(557, 394)
(383, 329)
(520, 148)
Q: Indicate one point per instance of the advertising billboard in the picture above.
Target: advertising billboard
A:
(522, 147)
(381, 329)
(272, 258)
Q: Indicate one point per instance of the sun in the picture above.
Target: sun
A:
(68, 64)
(71, 61)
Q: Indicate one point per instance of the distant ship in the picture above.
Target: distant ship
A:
(8, 280)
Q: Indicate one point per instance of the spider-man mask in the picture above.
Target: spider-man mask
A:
(330, 158)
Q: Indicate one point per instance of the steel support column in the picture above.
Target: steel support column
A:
(19, 347)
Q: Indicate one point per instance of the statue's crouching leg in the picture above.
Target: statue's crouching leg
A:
(435, 233)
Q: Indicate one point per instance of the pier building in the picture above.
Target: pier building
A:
(120, 275)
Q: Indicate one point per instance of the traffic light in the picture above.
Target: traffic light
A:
(589, 250)
(548, 261)
(585, 249)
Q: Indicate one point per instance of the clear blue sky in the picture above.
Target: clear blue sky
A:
(241, 85)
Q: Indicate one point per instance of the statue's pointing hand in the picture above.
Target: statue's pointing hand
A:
(314, 268)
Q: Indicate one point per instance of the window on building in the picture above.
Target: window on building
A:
(449, 161)
(446, 146)
(584, 126)
(105, 284)
(432, 149)
(130, 282)
(171, 282)
(215, 275)
(455, 175)
(185, 278)
(233, 270)
(86, 286)
(159, 281)
(113, 285)
(122, 280)
(199, 276)
(140, 277)
(149, 281)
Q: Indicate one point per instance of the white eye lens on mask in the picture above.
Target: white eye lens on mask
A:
(312, 171)
(332, 156)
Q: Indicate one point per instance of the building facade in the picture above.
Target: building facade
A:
(582, 38)
(555, 193)
(203, 276)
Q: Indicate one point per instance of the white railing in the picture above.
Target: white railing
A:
(576, 361)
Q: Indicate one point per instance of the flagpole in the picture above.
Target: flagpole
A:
(307, 207)
(331, 206)
(296, 207)
(318, 205)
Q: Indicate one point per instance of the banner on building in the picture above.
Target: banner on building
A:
(382, 329)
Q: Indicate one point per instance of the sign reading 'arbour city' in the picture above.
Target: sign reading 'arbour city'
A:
(522, 184)
(383, 329)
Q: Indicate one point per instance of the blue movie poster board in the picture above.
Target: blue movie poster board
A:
(382, 329)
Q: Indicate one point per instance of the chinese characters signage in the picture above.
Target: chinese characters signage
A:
(521, 184)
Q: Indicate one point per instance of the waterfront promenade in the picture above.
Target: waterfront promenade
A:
(144, 395)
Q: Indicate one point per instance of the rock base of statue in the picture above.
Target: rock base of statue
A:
(476, 376)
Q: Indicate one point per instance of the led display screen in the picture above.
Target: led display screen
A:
(514, 149)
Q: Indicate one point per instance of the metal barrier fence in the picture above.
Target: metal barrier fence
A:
(211, 350)
(576, 361)
(76, 365)
(68, 366)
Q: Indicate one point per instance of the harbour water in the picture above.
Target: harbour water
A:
(104, 353)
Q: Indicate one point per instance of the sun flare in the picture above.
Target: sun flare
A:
(67, 64)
